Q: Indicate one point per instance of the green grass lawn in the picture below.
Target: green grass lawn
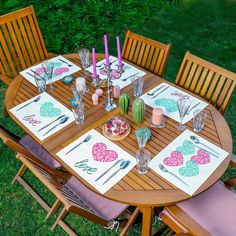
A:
(204, 27)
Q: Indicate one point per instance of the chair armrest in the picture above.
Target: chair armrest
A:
(230, 182)
(233, 161)
(5, 79)
(186, 221)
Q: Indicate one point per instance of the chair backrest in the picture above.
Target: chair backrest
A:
(207, 80)
(12, 142)
(146, 53)
(21, 42)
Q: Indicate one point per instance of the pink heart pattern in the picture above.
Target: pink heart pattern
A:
(101, 154)
(61, 70)
(201, 158)
(175, 159)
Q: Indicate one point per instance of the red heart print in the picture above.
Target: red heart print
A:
(201, 158)
(61, 70)
(100, 153)
(175, 159)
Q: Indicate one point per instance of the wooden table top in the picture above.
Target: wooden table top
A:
(134, 189)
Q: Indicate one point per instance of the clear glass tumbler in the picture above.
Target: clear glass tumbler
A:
(199, 120)
(84, 57)
(78, 112)
(137, 83)
(142, 159)
(78, 93)
(48, 68)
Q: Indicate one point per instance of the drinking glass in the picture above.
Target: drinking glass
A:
(137, 83)
(199, 120)
(48, 70)
(183, 105)
(78, 93)
(78, 112)
(142, 159)
(40, 82)
(142, 137)
(84, 57)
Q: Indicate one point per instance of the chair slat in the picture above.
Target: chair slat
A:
(11, 48)
(20, 41)
(26, 40)
(211, 82)
(147, 53)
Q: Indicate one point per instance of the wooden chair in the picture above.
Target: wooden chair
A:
(21, 43)
(209, 213)
(146, 53)
(207, 80)
(72, 194)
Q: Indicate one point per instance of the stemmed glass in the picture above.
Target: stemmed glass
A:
(48, 68)
(142, 137)
(40, 82)
(183, 106)
(84, 57)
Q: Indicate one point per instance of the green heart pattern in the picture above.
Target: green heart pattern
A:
(47, 109)
(187, 148)
(170, 105)
(190, 170)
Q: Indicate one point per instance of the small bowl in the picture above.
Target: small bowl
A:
(74, 102)
(68, 79)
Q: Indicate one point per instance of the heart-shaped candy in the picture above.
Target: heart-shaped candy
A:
(175, 159)
(170, 105)
(201, 158)
(47, 109)
(187, 149)
(100, 153)
(191, 169)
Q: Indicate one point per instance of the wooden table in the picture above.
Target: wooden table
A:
(144, 191)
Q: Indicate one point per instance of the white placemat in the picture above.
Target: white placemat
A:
(129, 72)
(38, 114)
(61, 69)
(191, 164)
(167, 100)
(91, 159)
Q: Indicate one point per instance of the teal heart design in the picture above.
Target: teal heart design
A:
(191, 169)
(187, 148)
(170, 105)
(47, 109)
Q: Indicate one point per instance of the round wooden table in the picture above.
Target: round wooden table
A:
(144, 191)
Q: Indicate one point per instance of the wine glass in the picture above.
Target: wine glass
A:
(183, 105)
(48, 68)
(142, 136)
(84, 57)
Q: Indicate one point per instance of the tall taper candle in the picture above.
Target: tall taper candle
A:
(118, 51)
(94, 64)
(106, 50)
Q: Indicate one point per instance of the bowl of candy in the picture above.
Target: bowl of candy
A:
(116, 129)
(68, 79)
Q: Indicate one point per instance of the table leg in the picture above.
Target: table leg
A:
(147, 220)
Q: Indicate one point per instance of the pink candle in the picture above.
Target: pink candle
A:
(118, 51)
(116, 91)
(94, 64)
(106, 50)
(157, 116)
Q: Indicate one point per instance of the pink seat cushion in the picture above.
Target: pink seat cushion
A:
(214, 209)
(38, 151)
(103, 207)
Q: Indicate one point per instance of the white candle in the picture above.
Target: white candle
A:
(81, 84)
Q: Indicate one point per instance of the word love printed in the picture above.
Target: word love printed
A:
(82, 165)
(31, 120)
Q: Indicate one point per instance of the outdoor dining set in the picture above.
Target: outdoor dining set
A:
(111, 139)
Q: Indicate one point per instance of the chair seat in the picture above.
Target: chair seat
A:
(103, 207)
(206, 209)
(38, 151)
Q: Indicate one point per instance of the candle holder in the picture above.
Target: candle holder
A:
(109, 105)
(96, 81)
(121, 69)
